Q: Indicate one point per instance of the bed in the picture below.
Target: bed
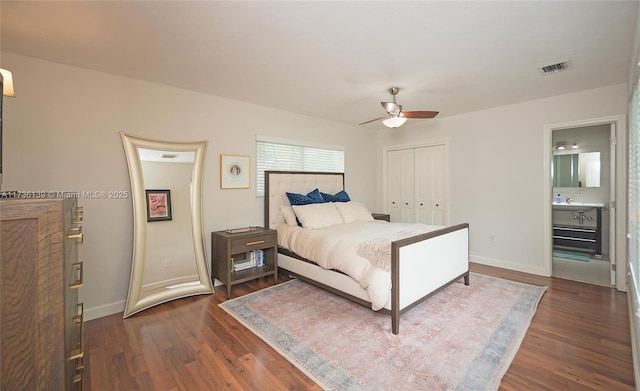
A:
(418, 265)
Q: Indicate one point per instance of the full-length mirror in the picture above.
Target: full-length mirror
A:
(168, 259)
(576, 170)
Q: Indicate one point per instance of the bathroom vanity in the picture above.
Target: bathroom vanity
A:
(578, 235)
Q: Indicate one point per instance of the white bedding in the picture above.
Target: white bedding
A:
(362, 250)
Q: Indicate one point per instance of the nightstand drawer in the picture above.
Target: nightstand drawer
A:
(257, 242)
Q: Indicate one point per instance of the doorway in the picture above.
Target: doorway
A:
(582, 222)
(581, 175)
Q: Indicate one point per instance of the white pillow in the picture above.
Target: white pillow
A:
(289, 215)
(317, 216)
(353, 211)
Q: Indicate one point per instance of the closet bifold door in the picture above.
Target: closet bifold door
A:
(400, 185)
(417, 185)
(430, 188)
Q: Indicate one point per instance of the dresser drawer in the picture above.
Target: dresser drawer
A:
(251, 243)
(567, 232)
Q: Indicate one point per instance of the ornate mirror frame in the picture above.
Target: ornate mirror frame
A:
(137, 302)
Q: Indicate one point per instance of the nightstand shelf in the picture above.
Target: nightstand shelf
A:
(251, 274)
(227, 247)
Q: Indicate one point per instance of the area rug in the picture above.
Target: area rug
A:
(462, 338)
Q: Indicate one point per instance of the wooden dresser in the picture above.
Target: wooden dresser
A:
(40, 318)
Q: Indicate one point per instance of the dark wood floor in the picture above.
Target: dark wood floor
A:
(579, 339)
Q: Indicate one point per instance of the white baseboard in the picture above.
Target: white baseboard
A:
(113, 308)
(539, 271)
(103, 310)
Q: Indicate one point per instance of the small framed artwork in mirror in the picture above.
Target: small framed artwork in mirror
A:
(158, 205)
(234, 172)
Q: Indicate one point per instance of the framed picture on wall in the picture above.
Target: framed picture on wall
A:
(158, 205)
(234, 172)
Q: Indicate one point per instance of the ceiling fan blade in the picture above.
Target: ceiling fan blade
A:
(377, 119)
(419, 114)
(391, 107)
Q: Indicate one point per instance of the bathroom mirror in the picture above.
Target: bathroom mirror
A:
(168, 260)
(576, 170)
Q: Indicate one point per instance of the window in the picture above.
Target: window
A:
(634, 188)
(290, 155)
(633, 201)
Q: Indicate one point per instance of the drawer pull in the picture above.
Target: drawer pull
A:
(79, 364)
(76, 233)
(78, 375)
(77, 378)
(254, 243)
(78, 214)
(79, 324)
(574, 239)
(77, 268)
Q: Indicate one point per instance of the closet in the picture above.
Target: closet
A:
(416, 185)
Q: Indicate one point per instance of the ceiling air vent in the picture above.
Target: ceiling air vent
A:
(554, 68)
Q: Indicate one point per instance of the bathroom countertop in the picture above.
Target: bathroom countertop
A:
(577, 205)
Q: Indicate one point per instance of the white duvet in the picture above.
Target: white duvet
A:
(361, 250)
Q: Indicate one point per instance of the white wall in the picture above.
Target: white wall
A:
(61, 132)
(496, 169)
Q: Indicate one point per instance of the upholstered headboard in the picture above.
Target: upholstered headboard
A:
(278, 183)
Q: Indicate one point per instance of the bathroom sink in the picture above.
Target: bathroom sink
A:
(575, 205)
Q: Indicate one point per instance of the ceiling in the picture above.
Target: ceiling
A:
(336, 59)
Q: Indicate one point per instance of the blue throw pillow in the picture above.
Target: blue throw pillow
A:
(313, 197)
(340, 196)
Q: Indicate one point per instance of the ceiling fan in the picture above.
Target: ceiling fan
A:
(395, 116)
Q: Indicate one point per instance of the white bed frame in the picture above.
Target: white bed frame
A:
(414, 276)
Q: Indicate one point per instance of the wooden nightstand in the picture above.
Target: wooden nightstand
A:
(228, 249)
(381, 216)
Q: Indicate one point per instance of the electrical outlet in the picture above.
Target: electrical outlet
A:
(492, 238)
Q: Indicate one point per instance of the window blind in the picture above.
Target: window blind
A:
(290, 155)
(634, 185)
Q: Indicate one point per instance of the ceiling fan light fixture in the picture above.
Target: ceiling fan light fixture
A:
(395, 116)
(394, 122)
